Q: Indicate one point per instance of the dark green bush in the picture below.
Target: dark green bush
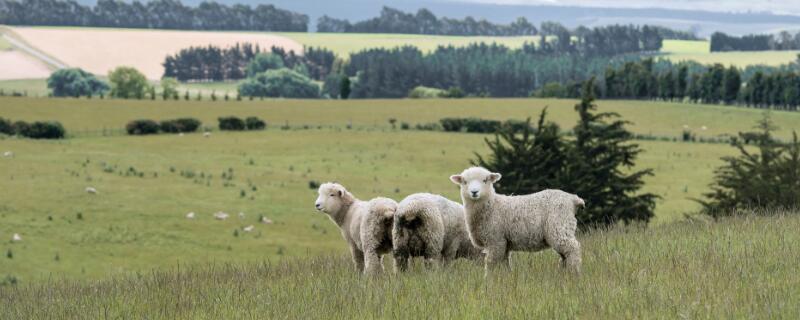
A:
(477, 125)
(142, 127)
(40, 130)
(6, 126)
(180, 125)
(254, 123)
(231, 123)
(515, 125)
(452, 124)
(431, 126)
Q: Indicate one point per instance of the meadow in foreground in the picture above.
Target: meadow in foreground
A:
(741, 267)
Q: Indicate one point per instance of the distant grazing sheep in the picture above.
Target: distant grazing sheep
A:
(430, 226)
(248, 228)
(91, 190)
(207, 134)
(365, 225)
(16, 237)
(221, 215)
(500, 224)
(190, 215)
(8, 154)
(266, 220)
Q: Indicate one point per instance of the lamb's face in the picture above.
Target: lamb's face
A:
(330, 197)
(476, 183)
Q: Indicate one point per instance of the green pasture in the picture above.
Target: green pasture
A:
(696, 269)
(147, 184)
(683, 50)
(648, 118)
(343, 44)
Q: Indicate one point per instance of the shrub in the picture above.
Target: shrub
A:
(421, 92)
(515, 125)
(477, 125)
(405, 126)
(40, 129)
(180, 125)
(142, 127)
(6, 126)
(283, 83)
(231, 123)
(453, 92)
(431, 126)
(452, 124)
(75, 82)
(127, 82)
(254, 123)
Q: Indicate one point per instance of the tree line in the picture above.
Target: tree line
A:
(755, 42)
(715, 84)
(212, 63)
(477, 70)
(155, 14)
(424, 21)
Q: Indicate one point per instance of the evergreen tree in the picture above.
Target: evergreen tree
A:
(732, 85)
(344, 87)
(598, 167)
(528, 159)
(767, 179)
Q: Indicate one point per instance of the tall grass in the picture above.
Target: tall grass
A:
(742, 267)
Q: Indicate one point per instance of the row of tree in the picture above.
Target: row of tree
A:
(755, 42)
(478, 70)
(715, 84)
(156, 14)
(213, 63)
(424, 21)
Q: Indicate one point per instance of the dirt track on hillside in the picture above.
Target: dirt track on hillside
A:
(101, 50)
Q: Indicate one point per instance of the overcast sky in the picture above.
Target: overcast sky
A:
(775, 6)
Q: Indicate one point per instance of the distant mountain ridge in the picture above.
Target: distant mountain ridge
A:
(703, 23)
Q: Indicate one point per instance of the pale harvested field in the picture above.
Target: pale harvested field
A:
(99, 50)
(17, 65)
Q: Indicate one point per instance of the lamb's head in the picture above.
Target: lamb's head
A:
(476, 183)
(332, 197)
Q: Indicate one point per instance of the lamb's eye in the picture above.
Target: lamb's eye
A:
(332, 195)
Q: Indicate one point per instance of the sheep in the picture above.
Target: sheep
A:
(249, 228)
(365, 225)
(241, 215)
(91, 190)
(221, 215)
(8, 154)
(207, 134)
(430, 226)
(266, 220)
(16, 237)
(190, 215)
(500, 224)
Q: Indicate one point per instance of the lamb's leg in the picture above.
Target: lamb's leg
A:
(496, 256)
(372, 262)
(570, 251)
(358, 259)
(433, 260)
(400, 262)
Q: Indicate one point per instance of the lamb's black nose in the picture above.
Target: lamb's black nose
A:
(474, 193)
(318, 205)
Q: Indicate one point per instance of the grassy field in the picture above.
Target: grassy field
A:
(34, 87)
(146, 185)
(730, 269)
(4, 44)
(343, 44)
(653, 118)
(681, 50)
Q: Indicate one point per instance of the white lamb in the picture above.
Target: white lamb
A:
(365, 225)
(500, 224)
(430, 226)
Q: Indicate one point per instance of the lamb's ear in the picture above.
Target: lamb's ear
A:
(494, 177)
(341, 193)
(457, 179)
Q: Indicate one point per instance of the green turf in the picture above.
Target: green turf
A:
(739, 268)
(681, 50)
(343, 44)
(654, 118)
(33, 87)
(147, 184)
(4, 44)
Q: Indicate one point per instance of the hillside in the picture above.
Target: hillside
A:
(734, 268)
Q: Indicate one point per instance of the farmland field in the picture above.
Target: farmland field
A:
(734, 268)
(680, 50)
(343, 44)
(146, 185)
